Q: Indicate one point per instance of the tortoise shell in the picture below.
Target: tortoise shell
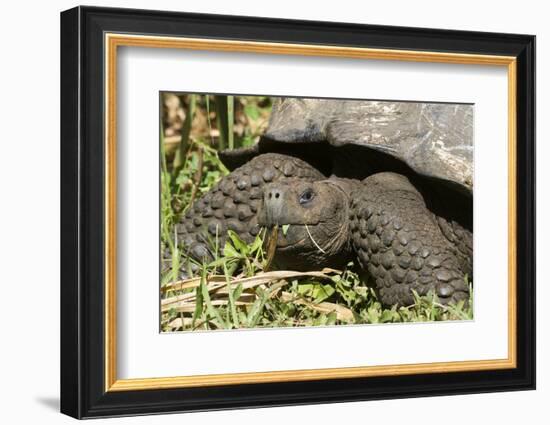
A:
(434, 139)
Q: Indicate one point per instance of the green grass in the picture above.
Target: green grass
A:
(237, 289)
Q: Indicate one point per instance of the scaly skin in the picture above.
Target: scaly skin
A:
(404, 246)
(397, 239)
(234, 201)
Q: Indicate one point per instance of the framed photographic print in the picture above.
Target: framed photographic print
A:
(261, 212)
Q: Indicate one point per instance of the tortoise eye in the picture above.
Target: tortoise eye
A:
(307, 196)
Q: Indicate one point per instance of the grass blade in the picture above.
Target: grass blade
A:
(231, 297)
(197, 314)
(271, 247)
(221, 120)
(212, 312)
(256, 310)
(183, 147)
(230, 121)
(163, 165)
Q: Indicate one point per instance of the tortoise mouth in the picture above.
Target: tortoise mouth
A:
(289, 246)
(298, 238)
(295, 236)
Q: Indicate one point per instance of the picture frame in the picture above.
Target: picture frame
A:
(90, 41)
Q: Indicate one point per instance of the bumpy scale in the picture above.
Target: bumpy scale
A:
(406, 247)
(233, 203)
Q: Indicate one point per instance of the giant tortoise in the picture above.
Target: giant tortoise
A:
(387, 184)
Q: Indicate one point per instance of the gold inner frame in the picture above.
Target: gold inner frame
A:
(113, 41)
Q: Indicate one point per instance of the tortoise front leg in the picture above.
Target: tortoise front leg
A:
(399, 241)
(233, 203)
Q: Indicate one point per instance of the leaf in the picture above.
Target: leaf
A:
(320, 321)
(247, 141)
(373, 313)
(315, 290)
(387, 316)
(252, 112)
(322, 292)
(331, 318)
(305, 288)
(285, 228)
(183, 179)
(230, 251)
(257, 244)
(237, 242)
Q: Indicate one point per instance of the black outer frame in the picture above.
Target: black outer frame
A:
(82, 211)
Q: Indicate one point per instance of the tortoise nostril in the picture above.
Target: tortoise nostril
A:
(274, 195)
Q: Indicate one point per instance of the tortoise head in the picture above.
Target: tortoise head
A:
(313, 222)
